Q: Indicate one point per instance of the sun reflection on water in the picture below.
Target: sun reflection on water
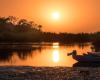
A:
(55, 45)
(56, 56)
(56, 53)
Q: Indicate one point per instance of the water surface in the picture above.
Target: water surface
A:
(45, 54)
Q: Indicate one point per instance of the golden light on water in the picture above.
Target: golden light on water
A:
(56, 45)
(56, 56)
(48, 56)
(56, 53)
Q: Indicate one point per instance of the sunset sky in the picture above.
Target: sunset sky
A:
(56, 15)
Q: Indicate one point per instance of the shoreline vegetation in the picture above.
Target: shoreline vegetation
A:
(14, 30)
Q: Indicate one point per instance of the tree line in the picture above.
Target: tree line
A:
(14, 30)
(21, 30)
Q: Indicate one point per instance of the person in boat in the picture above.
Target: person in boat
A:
(84, 58)
(72, 53)
(75, 56)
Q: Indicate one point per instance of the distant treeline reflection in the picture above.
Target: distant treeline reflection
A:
(14, 30)
(6, 55)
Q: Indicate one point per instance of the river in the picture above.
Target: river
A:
(45, 54)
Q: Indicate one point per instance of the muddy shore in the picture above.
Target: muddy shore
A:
(48, 73)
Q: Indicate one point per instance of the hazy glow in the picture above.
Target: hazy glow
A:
(56, 56)
(55, 15)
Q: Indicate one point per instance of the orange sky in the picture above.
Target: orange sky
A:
(75, 15)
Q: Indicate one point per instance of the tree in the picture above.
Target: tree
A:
(6, 24)
(23, 25)
(39, 27)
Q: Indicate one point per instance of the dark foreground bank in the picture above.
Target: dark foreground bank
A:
(48, 73)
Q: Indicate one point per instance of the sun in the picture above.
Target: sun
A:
(55, 15)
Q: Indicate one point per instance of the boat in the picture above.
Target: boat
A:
(89, 57)
(87, 64)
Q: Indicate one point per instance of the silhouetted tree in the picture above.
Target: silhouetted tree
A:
(12, 29)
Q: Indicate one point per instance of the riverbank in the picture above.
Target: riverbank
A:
(48, 73)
